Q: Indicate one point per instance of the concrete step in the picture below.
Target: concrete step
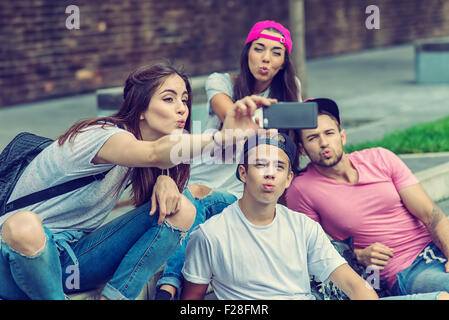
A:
(432, 170)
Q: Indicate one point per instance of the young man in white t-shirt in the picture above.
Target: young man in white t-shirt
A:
(258, 249)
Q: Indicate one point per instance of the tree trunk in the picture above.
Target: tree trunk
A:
(297, 30)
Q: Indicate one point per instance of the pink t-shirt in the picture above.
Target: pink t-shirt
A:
(369, 210)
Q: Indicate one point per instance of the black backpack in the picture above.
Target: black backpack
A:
(13, 161)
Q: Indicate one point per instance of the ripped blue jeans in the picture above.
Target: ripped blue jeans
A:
(123, 253)
(425, 274)
(206, 207)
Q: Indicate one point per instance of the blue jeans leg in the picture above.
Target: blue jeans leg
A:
(212, 204)
(425, 274)
(31, 277)
(125, 253)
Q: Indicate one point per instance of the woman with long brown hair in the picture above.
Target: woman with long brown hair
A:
(266, 70)
(61, 245)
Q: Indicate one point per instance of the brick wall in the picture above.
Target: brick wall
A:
(338, 26)
(41, 58)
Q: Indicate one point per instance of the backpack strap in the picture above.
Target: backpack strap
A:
(52, 192)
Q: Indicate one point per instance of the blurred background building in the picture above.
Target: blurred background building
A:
(40, 58)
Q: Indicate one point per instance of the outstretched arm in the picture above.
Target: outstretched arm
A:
(170, 150)
(352, 284)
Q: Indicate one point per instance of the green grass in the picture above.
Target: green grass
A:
(425, 137)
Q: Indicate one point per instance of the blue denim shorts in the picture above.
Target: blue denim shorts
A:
(426, 274)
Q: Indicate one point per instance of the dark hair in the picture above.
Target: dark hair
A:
(140, 86)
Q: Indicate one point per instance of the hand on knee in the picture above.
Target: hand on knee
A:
(185, 217)
(24, 233)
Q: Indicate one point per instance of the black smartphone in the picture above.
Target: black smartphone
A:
(290, 115)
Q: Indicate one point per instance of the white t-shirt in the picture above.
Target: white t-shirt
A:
(83, 209)
(243, 261)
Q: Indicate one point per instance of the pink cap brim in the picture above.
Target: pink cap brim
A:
(256, 32)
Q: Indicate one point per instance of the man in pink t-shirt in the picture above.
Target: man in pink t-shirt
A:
(372, 196)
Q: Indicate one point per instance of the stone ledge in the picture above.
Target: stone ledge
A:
(435, 181)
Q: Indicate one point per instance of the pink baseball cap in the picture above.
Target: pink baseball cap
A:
(256, 30)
